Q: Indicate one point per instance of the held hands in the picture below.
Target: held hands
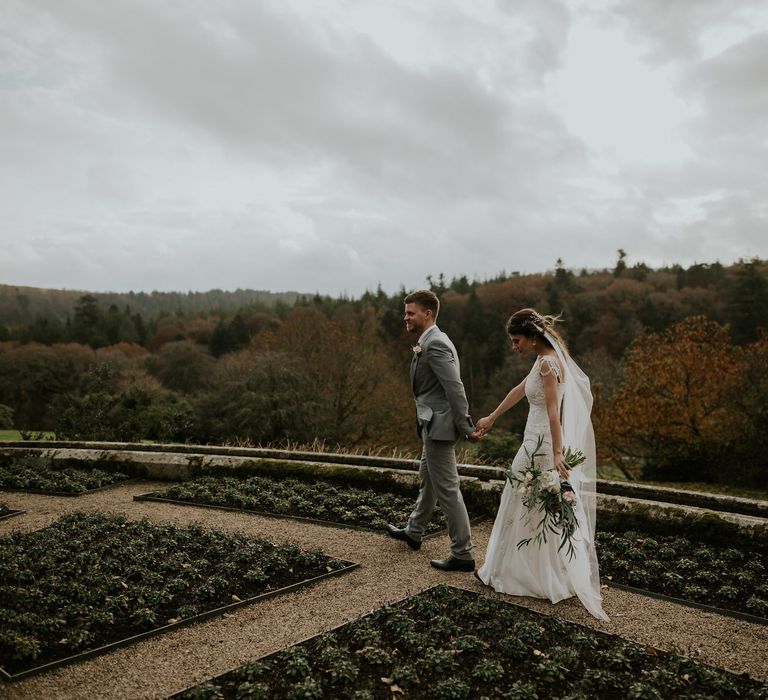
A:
(481, 428)
(484, 425)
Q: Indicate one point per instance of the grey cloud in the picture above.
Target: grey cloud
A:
(551, 21)
(673, 30)
(193, 145)
(280, 82)
(734, 88)
(285, 91)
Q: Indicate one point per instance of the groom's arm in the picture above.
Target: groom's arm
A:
(444, 366)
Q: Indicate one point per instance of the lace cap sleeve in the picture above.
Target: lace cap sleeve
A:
(549, 365)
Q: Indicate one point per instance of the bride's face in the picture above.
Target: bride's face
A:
(522, 344)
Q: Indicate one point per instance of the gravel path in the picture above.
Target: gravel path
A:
(159, 666)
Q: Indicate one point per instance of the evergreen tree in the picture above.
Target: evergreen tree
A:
(229, 336)
(45, 330)
(88, 326)
(748, 302)
(621, 263)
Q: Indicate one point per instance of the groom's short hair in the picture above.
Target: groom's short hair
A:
(426, 299)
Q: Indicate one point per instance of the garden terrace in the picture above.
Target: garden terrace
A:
(165, 664)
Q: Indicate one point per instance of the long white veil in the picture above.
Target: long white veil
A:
(578, 434)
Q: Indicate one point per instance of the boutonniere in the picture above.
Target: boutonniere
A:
(416, 350)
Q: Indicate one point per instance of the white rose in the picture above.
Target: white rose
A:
(550, 481)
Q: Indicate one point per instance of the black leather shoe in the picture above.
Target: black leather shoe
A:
(454, 564)
(397, 534)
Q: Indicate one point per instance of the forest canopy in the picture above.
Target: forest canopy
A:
(263, 368)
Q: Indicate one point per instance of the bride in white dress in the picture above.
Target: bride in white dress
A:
(560, 403)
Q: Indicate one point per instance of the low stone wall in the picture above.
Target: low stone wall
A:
(157, 459)
(205, 451)
(616, 511)
(666, 494)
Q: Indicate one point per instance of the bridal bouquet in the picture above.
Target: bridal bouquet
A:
(545, 493)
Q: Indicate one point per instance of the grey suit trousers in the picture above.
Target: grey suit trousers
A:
(440, 484)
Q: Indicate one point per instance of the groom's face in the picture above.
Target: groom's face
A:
(416, 318)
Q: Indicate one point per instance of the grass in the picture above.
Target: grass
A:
(15, 435)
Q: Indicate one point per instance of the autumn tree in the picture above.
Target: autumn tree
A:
(182, 366)
(107, 407)
(261, 398)
(167, 330)
(33, 376)
(676, 412)
(363, 391)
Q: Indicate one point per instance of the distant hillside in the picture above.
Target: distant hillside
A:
(20, 305)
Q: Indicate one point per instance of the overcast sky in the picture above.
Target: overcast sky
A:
(334, 145)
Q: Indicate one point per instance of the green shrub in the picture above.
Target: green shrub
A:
(451, 689)
(6, 417)
(498, 447)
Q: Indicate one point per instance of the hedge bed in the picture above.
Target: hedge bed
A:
(316, 500)
(62, 478)
(723, 577)
(447, 643)
(91, 580)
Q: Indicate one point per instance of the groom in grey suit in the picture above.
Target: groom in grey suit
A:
(441, 418)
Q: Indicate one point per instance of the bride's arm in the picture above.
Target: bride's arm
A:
(485, 424)
(553, 412)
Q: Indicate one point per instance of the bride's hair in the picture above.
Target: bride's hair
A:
(532, 324)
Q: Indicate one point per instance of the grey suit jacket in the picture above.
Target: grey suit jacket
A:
(441, 403)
